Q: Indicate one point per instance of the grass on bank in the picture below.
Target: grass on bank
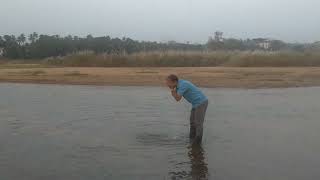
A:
(182, 59)
(22, 64)
(28, 73)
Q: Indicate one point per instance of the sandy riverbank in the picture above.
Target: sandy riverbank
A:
(204, 76)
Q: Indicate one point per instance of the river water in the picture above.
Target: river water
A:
(50, 132)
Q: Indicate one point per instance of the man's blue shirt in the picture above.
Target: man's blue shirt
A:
(191, 93)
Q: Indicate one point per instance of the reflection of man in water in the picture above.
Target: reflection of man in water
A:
(182, 88)
(199, 169)
(198, 165)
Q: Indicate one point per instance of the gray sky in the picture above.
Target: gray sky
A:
(162, 20)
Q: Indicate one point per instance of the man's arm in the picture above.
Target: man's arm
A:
(176, 96)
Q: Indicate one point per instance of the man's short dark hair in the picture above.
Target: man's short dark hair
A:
(173, 78)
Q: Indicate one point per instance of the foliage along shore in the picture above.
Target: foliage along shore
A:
(35, 46)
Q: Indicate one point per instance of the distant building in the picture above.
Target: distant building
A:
(218, 36)
(171, 42)
(315, 45)
(263, 43)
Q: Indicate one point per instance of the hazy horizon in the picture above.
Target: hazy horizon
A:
(179, 20)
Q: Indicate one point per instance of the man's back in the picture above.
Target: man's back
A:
(191, 93)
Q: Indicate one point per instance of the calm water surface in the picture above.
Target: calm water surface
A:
(50, 132)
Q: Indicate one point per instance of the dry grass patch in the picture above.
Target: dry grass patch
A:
(191, 59)
(75, 73)
(27, 73)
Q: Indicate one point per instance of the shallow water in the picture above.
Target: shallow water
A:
(50, 132)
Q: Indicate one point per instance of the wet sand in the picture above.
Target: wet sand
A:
(202, 76)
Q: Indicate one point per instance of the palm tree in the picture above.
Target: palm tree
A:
(9, 39)
(1, 41)
(21, 39)
(33, 37)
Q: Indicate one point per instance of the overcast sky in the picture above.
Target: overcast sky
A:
(162, 20)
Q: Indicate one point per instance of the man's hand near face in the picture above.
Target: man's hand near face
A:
(174, 93)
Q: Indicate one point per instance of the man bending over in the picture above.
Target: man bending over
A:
(182, 88)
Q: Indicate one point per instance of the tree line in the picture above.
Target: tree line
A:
(35, 46)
